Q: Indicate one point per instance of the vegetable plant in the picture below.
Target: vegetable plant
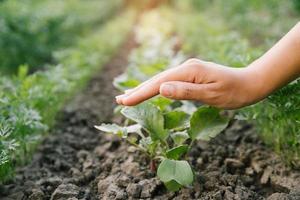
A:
(165, 131)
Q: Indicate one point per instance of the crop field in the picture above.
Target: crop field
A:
(65, 135)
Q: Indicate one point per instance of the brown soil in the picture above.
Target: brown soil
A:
(77, 162)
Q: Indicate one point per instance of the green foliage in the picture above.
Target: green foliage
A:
(297, 5)
(31, 30)
(278, 120)
(29, 103)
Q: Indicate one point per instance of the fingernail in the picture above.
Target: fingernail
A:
(167, 90)
(119, 98)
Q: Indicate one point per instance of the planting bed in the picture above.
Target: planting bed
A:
(76, 162)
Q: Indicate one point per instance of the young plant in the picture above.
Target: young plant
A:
(165, 132)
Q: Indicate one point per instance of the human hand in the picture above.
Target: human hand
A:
(207, 82)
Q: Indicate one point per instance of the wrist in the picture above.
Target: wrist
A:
(257, 86)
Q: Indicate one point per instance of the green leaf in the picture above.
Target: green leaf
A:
(22, 72)
(148, 144)
(173, 186)
(176, 119)
(133, 128)
(150, 69)
(149, 117)
(123, 82)
(113, 128)
(176, 152)
(118, 130)
(161, 102)
(206, 123)
(180, 137)
(175, 170)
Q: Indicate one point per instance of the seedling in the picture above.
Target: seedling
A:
(166, 134)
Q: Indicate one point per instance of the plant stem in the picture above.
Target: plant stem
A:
(191, 145)
(153, 166)
(139, 147)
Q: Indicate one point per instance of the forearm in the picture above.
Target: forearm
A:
(278, 66)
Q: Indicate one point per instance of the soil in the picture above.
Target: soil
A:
(78, 162)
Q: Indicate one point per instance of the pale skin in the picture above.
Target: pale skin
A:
(222, 86)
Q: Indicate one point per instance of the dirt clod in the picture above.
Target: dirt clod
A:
(37, 194)
(266, 175)
(65, 191)
(134, 190)
(233, 164)
(114, 192)
(278, 196)
(149, 187)
(103, 184)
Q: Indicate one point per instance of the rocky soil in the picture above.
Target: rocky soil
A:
(78, 162)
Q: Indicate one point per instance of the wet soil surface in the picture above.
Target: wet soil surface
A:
(77, 162)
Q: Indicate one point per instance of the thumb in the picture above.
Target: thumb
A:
(184, 90)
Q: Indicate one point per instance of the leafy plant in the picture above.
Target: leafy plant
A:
(163, 129)
(166, 136)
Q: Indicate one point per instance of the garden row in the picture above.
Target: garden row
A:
(31, 30)
(165, 130)
(29, 103)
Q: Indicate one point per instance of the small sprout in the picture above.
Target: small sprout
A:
(166, 136)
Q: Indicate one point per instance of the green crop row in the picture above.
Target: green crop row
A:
(29, 103)
(30, 30)
(226, 35)
(163, 129)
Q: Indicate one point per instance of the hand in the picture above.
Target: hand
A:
(207, 82)
(222, 86)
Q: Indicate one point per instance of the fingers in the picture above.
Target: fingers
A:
(151, 87)
(185, 91)
(132, 90)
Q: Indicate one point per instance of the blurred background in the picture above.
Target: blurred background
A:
(31, 30)
(49, 49)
